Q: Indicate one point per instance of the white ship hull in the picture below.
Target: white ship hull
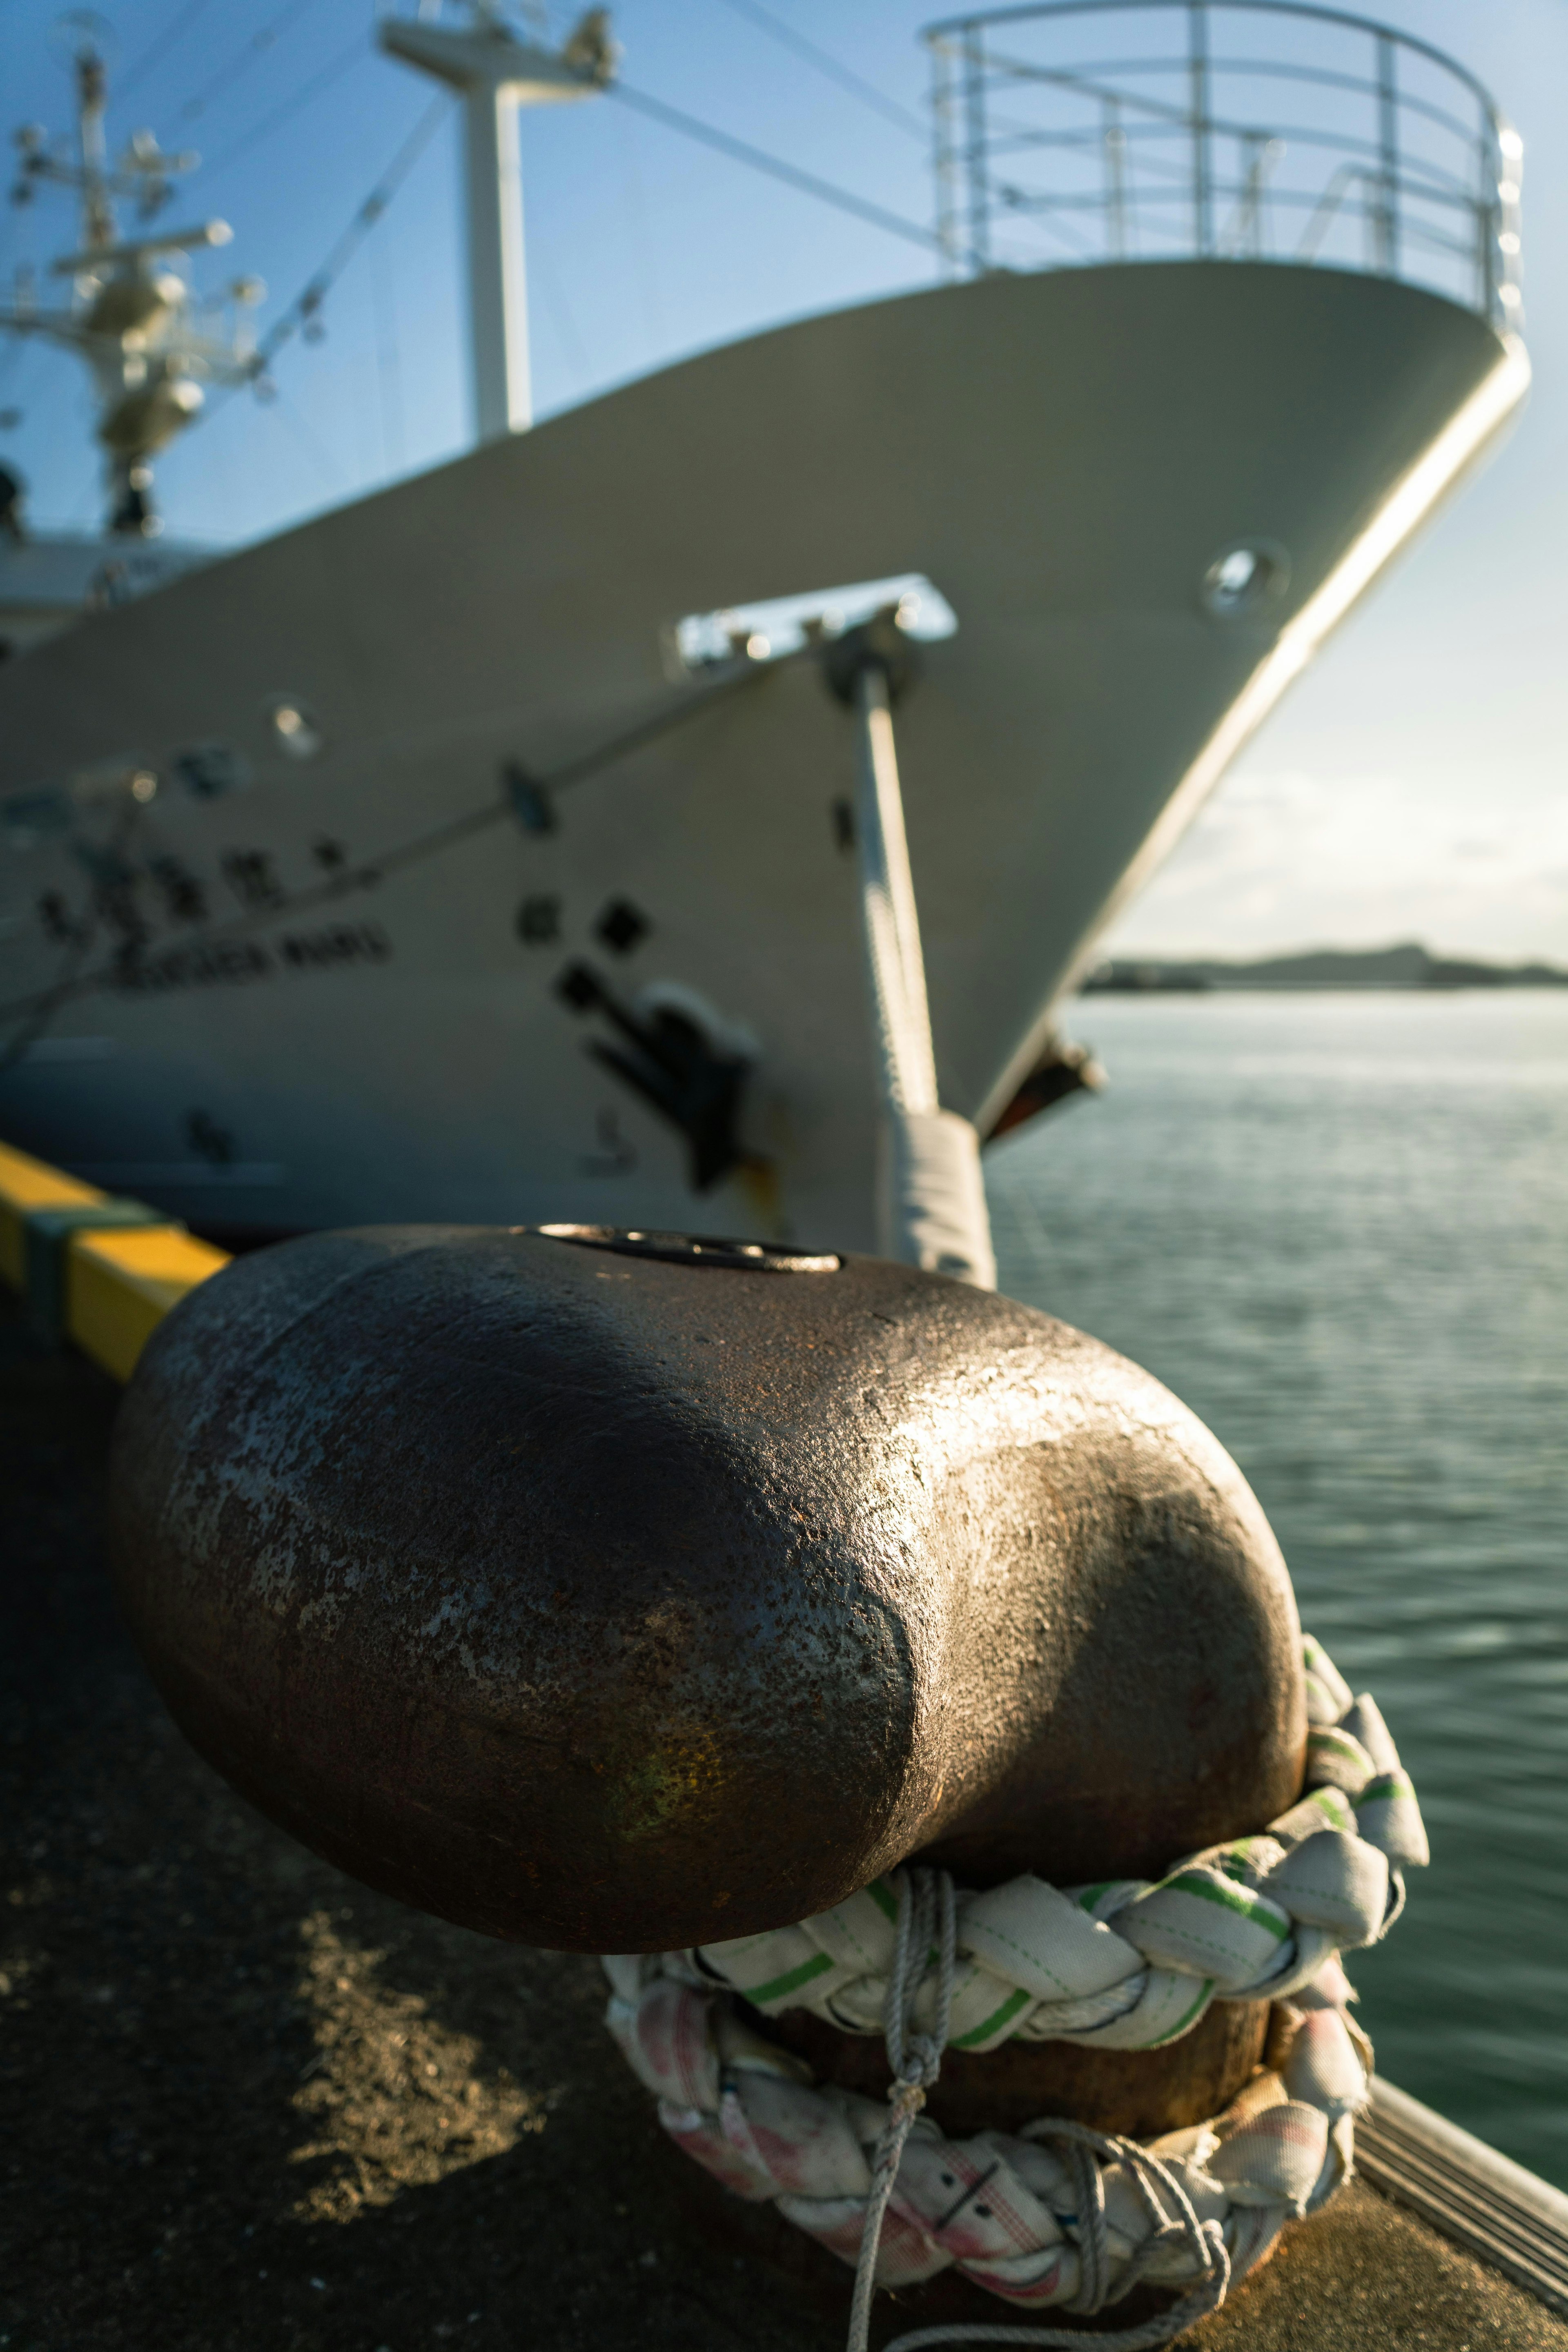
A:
(1063, 455)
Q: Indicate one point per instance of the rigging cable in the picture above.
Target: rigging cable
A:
(333, 71)
(562, 315)
(158, 49)
(258, 45)
(742, 152)
(845, 76)
(306, 303)
(315, 449)
(388, 359)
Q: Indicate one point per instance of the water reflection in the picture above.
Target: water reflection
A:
(1338, 1226)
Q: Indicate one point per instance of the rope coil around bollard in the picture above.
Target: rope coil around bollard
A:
(1057, 2214)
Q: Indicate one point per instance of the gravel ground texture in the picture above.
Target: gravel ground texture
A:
(247, 2107)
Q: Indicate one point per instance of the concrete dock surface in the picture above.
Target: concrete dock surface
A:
(247, 2107)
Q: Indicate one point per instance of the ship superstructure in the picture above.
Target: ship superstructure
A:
(494, 848)
(123, 308)
(122, 305)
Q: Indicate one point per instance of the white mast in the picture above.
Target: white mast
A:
(496, 73)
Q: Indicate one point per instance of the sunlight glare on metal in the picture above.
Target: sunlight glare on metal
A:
(296, 730)
(767, 630)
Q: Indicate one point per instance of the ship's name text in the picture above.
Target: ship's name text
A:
(206, 962)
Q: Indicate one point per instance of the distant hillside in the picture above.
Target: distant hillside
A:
(1408, 965)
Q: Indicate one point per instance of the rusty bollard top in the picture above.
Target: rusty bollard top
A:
(618, 1602)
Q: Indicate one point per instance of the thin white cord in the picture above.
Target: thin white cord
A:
(926, 1909)
(915, 2058)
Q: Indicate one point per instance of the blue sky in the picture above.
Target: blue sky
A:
(1414, 782)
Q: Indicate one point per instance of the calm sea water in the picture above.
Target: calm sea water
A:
(1337, 1226)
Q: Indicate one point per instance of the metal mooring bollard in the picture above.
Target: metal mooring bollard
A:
(624, 1592)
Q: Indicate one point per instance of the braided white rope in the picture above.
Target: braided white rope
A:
(1127, 1964)
(1057, 2214)
(1205, 2239)
(916, 2061)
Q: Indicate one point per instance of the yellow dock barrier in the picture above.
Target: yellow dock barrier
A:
(26, 1185)
(95, 1268)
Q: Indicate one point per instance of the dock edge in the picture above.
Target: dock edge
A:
(1508, 2218)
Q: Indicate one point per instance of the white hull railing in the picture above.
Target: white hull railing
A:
(1266, 131)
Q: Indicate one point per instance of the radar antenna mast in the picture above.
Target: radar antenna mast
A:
(128, 314)
(497, 72)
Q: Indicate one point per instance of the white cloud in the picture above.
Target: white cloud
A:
(1291, 859)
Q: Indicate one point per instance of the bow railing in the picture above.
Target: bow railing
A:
(1104, 130)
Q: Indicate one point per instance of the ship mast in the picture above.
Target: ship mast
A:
(128, 314)
(497, 72)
